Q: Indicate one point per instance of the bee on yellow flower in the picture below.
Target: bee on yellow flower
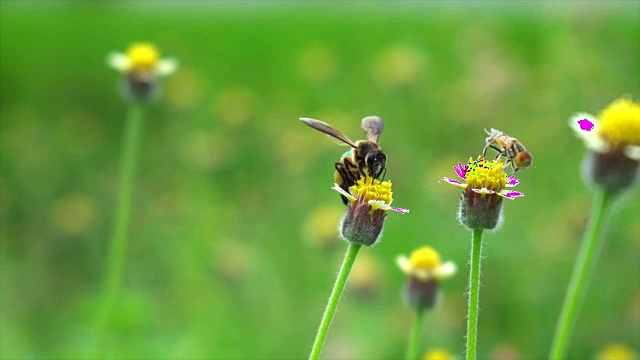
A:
(485, 185)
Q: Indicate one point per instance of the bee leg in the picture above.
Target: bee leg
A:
(347, 180)
(484, 151)
(383, 172)
(350, 167)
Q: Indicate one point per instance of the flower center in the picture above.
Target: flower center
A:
(425, 258)
(143, 56)
(620, 123)
(366, 190)
(486, 174)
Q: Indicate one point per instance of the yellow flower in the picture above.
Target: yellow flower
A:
(613, 139)
(437, 354)
(425, 264)
(617, 352)
(425, 271)
(142, 57)
(616, 129)
(485, 185)
(369, 201)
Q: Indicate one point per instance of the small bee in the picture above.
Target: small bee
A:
(365, 157)
(517, 156)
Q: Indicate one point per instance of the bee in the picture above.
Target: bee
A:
(517, 156)
(365, 158)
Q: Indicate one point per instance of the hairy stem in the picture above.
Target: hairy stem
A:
(341, 279)
(474, 294)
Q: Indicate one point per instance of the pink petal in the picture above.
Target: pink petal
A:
(510, 194)
(512, 181)
(461, 170)
(401, 210)
(452, 181)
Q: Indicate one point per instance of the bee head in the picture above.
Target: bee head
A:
(376, 162)
(523, 160)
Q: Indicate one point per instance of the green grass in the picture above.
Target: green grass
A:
(218, 263)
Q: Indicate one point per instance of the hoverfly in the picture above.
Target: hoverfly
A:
(365, 158)
(517, 156)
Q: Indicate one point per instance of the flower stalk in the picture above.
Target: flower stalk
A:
(474, 293)
(117, 244)
(336, 293)
(589, 250)
(414, 339)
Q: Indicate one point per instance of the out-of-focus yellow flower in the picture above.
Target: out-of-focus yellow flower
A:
(320, 228)
(424, 270)
(142, 57)
(617, 352)
(617, 127)
(425, 264)
(74, 214)
(399, 65)
(613, 139)
(437, 354)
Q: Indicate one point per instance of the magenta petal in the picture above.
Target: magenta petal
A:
(461, 170)
(513, 181)
(511, 194)
(452, 181)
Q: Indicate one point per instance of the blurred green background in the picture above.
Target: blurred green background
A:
(232, 249)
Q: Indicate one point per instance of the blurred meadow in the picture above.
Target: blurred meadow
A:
(232, 248)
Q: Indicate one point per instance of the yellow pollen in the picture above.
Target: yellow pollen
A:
(143, 56)
(425, 258)
(620, 123)
(486, 174)
(366, 190)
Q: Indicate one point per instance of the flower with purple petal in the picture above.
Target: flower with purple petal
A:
(485, 185)
(613, 160)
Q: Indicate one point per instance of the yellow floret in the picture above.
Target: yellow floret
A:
(366, 190)
(425, 258)
(486, 174)
(143, 56)
(620, 123)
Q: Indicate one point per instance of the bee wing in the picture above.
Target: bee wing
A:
(328, 129)
(373, 126)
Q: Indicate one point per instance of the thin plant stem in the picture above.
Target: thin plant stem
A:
(118, 241)
(474, 294)
(414, 338)
(587, 257)
(341, 279)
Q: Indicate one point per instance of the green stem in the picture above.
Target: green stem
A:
(117, 245)
(589, 249)
(474, 294)
(414, 339)
(347, 263)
